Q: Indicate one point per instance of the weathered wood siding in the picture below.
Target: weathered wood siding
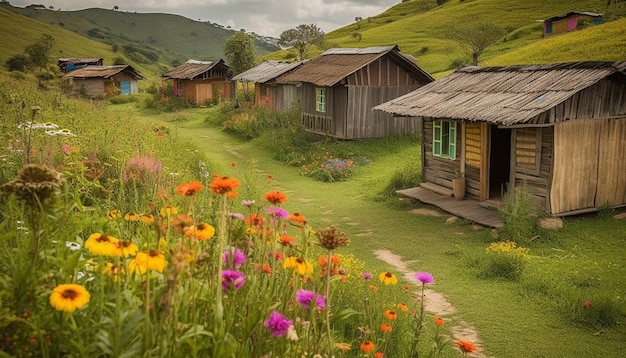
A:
(441, 171)
(92, 87)
(286, 97)
(591, 169)
(201, 91)
(531, 162)
(382, 73)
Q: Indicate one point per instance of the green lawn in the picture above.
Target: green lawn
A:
(512, 319)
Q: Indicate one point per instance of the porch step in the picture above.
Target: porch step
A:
(437, 189)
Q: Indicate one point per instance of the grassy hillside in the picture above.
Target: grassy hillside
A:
(422, 29)
(172, 34)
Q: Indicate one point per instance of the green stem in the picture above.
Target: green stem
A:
(327, 296)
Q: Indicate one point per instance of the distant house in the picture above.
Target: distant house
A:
(70, 64)
(266, 90)
(340, 87)
(559, 128)
(569, 22)
(201, 81)
(105, 81)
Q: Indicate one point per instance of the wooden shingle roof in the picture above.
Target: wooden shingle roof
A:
(338, 63)
(193, 68)
(501, 95)
(267, 71)
(104, 72)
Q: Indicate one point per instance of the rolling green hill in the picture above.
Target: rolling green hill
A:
(176, 36)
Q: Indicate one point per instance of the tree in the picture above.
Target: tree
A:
(302, 38)
(39, 52)
(240, 51)
(476, 37)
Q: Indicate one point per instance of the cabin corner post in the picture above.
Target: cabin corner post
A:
(484, 161)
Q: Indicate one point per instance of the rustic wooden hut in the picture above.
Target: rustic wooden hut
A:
(558, 128)
(105, 81)
(266, 90)
(201, 81)
(340, 87)
(569, 22)
(70, 64)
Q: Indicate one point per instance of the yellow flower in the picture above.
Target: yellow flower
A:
(151, 260)
(343, 346)
(168, 211)
(388, 278)
(125, 248)
(101, 245)
(130, 216)
(403, 307)
(114, 214)
(299, 264)
(147, 218)
(115, 271)
(201, 231)
(392, 315)
(69, 297)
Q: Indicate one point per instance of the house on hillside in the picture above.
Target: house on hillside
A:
(70, 64)
(105, 81)
(266, 90)
(201, 81)
(569, 22)
(559, 129)
(339, 88)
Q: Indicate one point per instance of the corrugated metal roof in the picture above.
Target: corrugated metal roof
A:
(336, 64)
(568, 14)
(501, 95)
(192, 68)
(79, 59)
(267, 71)
(104, 72)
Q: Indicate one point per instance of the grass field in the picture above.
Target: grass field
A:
(522, 319)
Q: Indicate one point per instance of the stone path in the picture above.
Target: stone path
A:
(434, 301)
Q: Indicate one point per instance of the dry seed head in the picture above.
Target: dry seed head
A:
(331, 239)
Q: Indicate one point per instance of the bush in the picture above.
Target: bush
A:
(407, 177)
(504, 260)
(518, 215)
(17, 63)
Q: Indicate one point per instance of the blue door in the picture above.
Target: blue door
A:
(125, 87)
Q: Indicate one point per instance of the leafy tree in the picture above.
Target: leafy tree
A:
(476, 37)
(240, 51)
(17, 63)
(302, 38)
(39, 52)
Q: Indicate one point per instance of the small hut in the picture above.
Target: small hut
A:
(266, 90)
(201, 81)
(569, 22)
(105, 81)
(558, 129)
(70, 64)
(339, 88)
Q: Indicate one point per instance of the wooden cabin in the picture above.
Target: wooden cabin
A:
(339, 88)
(201, 81)
(558, 128)
(569, 22)
(266, 91)
(105, 81)
(70, 64)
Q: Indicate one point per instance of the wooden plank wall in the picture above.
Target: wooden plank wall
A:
(537, 181)
(612, 159)
(441, 171)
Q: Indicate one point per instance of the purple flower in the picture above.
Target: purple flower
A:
(237, 216)
(232, 278)
(278, 212)
(367, 275)
(424, 277)
(305, 298)
(239, 258)
(277, 324)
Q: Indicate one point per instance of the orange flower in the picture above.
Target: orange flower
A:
(439, 321)
(367, 346)
(263, 268)
(189, 189)
(403, 307)
(275, 197)
(373, 288)
(297, 218)
(465, 346)
(379, 355)
(224, 185)
(182, 222)
(286, 240)
(386, 327)
(343, 346)
(254, 219)
(392, 315)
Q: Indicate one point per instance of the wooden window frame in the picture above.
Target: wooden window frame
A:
(444, 137)
(320, 99)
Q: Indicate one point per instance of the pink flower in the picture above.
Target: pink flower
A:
(367, 275)
(305, 297)
(277, 324)
(239, 258)
(424, 277)
(586, 304)
(232, 279)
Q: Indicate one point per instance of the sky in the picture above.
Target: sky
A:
(264, 17)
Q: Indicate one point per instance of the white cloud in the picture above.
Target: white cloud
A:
(265, 17)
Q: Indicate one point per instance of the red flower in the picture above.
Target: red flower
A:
(275, 197)
(465, 346)
(224, 185)
(439, 321)
(367, 346)
(189, 189)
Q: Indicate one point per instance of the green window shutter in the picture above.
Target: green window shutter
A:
(437, 138)
(452, 141)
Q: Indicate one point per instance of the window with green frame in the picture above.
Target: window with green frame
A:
(444, 139)
(320, 100)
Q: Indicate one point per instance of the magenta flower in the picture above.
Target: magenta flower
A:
(232, 279)
(586, 304)
(305, 297)
(278, 212)
(239, 258)
(277, 324)
(367, 275)
(424, 277)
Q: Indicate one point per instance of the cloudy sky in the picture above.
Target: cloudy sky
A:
(265, 17)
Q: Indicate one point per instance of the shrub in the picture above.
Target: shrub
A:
(518, 215)
(504, 260)
(406, 177)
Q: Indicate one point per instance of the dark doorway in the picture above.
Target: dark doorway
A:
(499, 162)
